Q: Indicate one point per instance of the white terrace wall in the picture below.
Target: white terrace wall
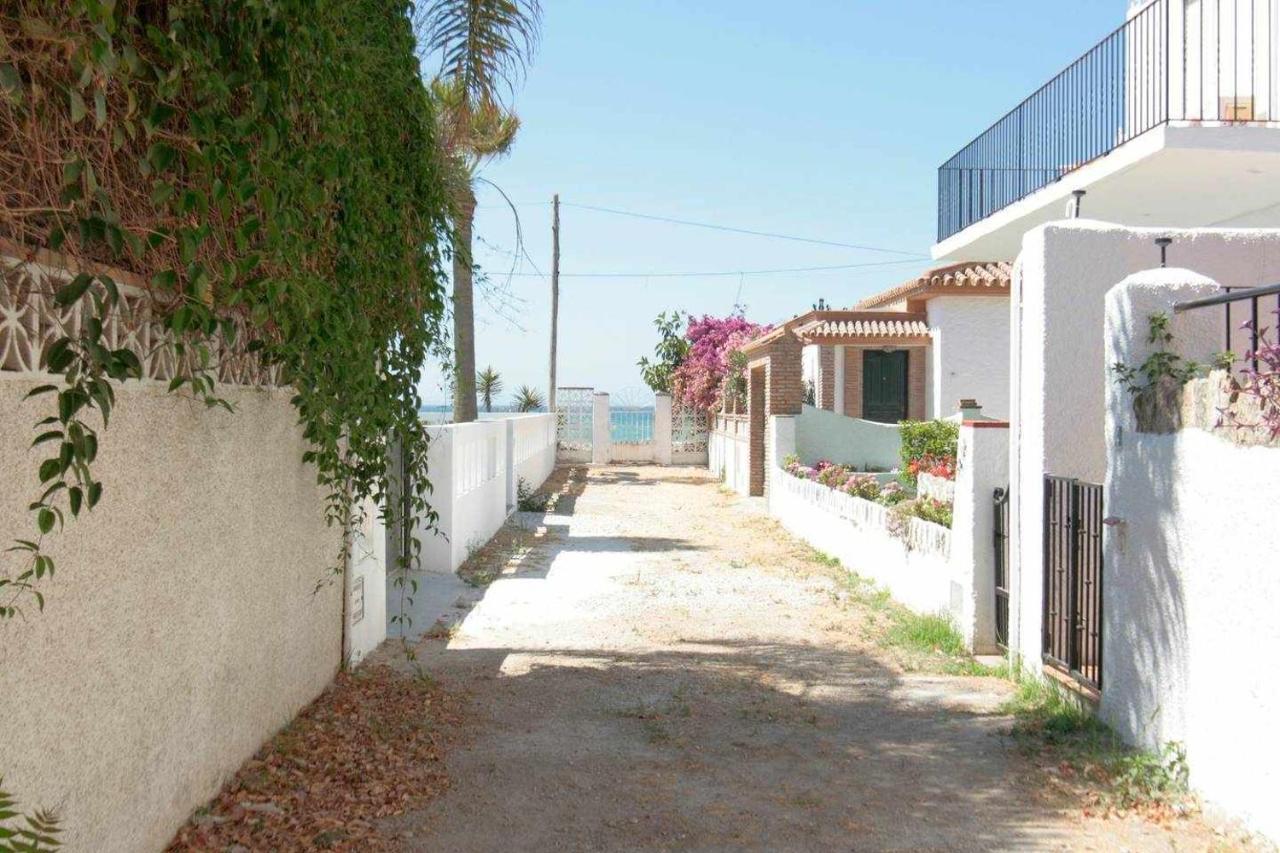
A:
(1191, 583)
(728, 451)
(846, 441)
(1058, 364)
(181, 628)
(474, 469)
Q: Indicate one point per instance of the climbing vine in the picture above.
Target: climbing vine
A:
(258, 167)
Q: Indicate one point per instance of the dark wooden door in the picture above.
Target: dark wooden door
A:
(884, 386)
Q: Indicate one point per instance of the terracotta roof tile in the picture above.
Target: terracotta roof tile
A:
(975, 277)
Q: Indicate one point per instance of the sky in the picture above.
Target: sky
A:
(819, 119)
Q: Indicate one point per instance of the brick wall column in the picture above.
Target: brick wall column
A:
(784, 375)
(853, 382)
(825, 386)
(915, 383)
(756, 420)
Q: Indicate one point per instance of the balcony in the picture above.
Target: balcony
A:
(1186, 68)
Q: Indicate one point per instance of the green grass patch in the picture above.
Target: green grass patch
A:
(1054, 724)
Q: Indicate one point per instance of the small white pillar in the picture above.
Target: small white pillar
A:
(601, 435)
(982, 467)
(662, 425)
(513, 479)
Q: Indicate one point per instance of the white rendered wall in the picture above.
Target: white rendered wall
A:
(1059, 363)
(854, 530)
(366, 582)
(970, 354)
(535, 447)
(467, 469)
(848, 441)
(1190, 580)
(728, 452)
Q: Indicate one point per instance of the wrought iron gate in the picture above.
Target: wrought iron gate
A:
(574, 413)
(1073, 578)
(1000, 536)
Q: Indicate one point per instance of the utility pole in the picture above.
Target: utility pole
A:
(555, 295)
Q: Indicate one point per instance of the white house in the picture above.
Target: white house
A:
(915, 350)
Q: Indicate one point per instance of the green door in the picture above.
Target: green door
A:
(884, 386)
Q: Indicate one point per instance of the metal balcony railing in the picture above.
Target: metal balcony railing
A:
(1176, 60)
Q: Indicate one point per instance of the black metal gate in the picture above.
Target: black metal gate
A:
(1073, 578)
(1000, 529)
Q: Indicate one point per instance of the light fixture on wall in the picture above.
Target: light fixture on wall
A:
(1164, 243)
(1074, 206)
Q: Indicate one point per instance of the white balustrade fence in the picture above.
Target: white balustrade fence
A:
(474, 469)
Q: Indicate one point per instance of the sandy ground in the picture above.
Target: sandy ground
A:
(658, 666)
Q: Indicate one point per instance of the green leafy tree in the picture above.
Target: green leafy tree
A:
(489, 384)
(484, 48)
(669, 354)
(529, 399)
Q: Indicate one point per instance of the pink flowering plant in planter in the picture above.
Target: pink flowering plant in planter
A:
(859, 484)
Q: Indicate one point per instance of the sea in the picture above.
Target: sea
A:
(627, 424)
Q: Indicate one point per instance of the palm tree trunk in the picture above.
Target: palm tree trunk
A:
(464, 321)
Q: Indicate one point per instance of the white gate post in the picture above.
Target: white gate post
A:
(662, 429)
(601, 438)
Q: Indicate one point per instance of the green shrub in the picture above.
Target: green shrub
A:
(921, 440)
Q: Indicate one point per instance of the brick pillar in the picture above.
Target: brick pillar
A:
(853, 382)
(785, 376)
(756, 419)
(915, 383)
(825, 386)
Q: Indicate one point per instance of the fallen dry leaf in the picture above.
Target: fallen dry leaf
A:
(367, 748)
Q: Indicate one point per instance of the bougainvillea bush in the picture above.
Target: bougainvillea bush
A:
(713, 341)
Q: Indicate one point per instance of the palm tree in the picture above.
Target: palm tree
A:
(529, 399)
(484, 48)
(489, 384)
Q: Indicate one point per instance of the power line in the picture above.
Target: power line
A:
(733, 230)
(719, 273)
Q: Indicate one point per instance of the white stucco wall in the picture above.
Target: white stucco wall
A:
(970, 354)
(366, 586)
(1190, 584)
(183, 626)
(847, 441)
(466, 464)
(1059, 362)
(728, 453)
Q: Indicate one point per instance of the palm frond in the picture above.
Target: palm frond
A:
(486, 45)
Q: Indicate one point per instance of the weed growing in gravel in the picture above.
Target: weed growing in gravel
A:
(1055, 725)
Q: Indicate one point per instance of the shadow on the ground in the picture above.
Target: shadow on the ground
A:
(713, 742)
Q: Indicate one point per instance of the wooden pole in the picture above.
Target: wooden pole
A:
(555, 295)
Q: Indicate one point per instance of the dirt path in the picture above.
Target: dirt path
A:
(665, 669)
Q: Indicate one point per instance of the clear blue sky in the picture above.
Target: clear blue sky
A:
(818, 118)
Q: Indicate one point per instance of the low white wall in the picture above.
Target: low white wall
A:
(183, 626)
(982, 466)
(466, 466)
(1190, 581)
(846, 441)
(854, 530)
(728, 454)
(535, 447)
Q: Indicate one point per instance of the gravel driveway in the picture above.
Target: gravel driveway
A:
(660, 667)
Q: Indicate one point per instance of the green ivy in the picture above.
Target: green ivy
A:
(269, 160)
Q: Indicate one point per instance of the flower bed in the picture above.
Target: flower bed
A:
(866, 485)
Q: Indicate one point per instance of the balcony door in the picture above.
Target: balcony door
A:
(884, 385)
